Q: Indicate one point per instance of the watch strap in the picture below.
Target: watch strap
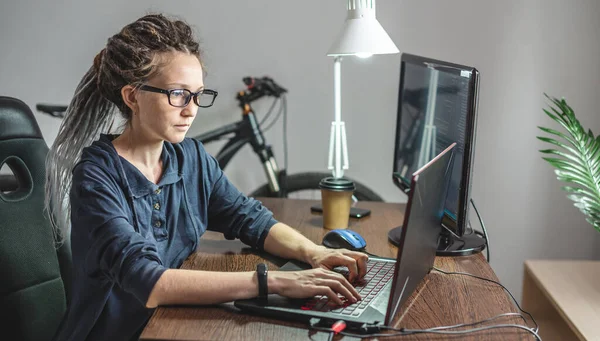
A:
(263, 289)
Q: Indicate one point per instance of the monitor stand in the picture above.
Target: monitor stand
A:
(449, 244)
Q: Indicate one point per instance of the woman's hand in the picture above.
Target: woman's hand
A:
(322, 257)
(309, 283)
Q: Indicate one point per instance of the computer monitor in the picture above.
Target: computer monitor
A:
(437, 105)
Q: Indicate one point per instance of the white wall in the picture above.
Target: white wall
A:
(522, 50)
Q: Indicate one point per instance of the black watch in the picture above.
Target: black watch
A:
(263, 289)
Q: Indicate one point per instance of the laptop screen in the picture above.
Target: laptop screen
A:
(421, 228)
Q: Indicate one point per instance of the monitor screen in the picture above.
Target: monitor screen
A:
(437, 105)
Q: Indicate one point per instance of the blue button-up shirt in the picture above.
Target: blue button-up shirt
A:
(126, 231)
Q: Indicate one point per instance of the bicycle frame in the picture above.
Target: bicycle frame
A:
(247, 130)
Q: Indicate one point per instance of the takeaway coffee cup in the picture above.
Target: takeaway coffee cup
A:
(336, 199)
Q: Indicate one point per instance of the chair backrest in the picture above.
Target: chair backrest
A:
(33, 273)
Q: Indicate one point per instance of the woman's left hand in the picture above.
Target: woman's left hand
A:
(356, 262)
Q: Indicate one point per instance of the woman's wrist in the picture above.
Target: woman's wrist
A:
(309, 253)
(273, 282)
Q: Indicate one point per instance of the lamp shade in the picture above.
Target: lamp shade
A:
(362, 34)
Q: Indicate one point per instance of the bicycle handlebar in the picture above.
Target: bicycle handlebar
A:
(265, 85)
(257, 88)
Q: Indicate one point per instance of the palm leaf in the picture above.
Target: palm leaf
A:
(573, 179)
(577, 190)
(557, 143)
(567, 165)
(558, 119)
(565, 155)
(559, 134)
(585, 203)
(578, 161)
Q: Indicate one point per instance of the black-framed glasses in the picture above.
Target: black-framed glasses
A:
(181, 97)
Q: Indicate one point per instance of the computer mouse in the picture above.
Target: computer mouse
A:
(344, 239)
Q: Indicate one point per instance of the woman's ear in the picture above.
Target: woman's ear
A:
(128, 94)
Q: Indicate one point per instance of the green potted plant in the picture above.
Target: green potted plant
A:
(576, 161)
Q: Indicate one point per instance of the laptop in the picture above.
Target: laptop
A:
(388, 282)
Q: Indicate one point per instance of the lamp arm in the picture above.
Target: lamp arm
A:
(338, 148)
(331, 146)
(338, 172)
(345, 164)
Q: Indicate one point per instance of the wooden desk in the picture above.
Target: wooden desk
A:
(564, 298)
(439, 300)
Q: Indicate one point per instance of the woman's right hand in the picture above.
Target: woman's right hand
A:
(309, 283)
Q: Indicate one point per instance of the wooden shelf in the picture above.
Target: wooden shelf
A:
(564, 298)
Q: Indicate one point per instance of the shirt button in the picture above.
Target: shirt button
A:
(157, 223)
(157, 191)
(157, 206)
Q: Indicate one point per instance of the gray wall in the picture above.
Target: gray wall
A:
(522, 49)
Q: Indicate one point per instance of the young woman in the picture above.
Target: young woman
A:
(134, 205)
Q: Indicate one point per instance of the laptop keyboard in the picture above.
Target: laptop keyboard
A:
(378, 275)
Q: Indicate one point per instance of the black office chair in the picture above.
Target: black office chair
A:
(33, 273)
(8, 183)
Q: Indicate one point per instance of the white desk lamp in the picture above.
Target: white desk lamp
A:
(362, 36)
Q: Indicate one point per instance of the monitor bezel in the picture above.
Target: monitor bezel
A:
(456, 226)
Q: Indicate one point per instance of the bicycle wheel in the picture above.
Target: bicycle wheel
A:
(306, 186)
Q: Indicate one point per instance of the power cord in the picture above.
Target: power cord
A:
(405, 331)
(336, 328)
(479, 322)
(373, 330)
(495, 282)
(485, 234)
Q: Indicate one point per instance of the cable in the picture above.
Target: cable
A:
(269, 112)
(492, 281)
(282, 109)
(372, 330)
(403, 331)
(285, 143)
(469, 331)
(276, 118)
(483, 279)
(479, 322)
(336, 328)
(485, 234)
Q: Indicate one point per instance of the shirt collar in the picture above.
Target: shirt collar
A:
(138, 184)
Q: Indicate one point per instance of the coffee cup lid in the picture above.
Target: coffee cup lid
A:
(336, 184)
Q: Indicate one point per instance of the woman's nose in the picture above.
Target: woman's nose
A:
(190, 110)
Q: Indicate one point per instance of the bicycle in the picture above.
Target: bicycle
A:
(249, 130)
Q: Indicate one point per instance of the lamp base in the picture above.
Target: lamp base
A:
(448, 244)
